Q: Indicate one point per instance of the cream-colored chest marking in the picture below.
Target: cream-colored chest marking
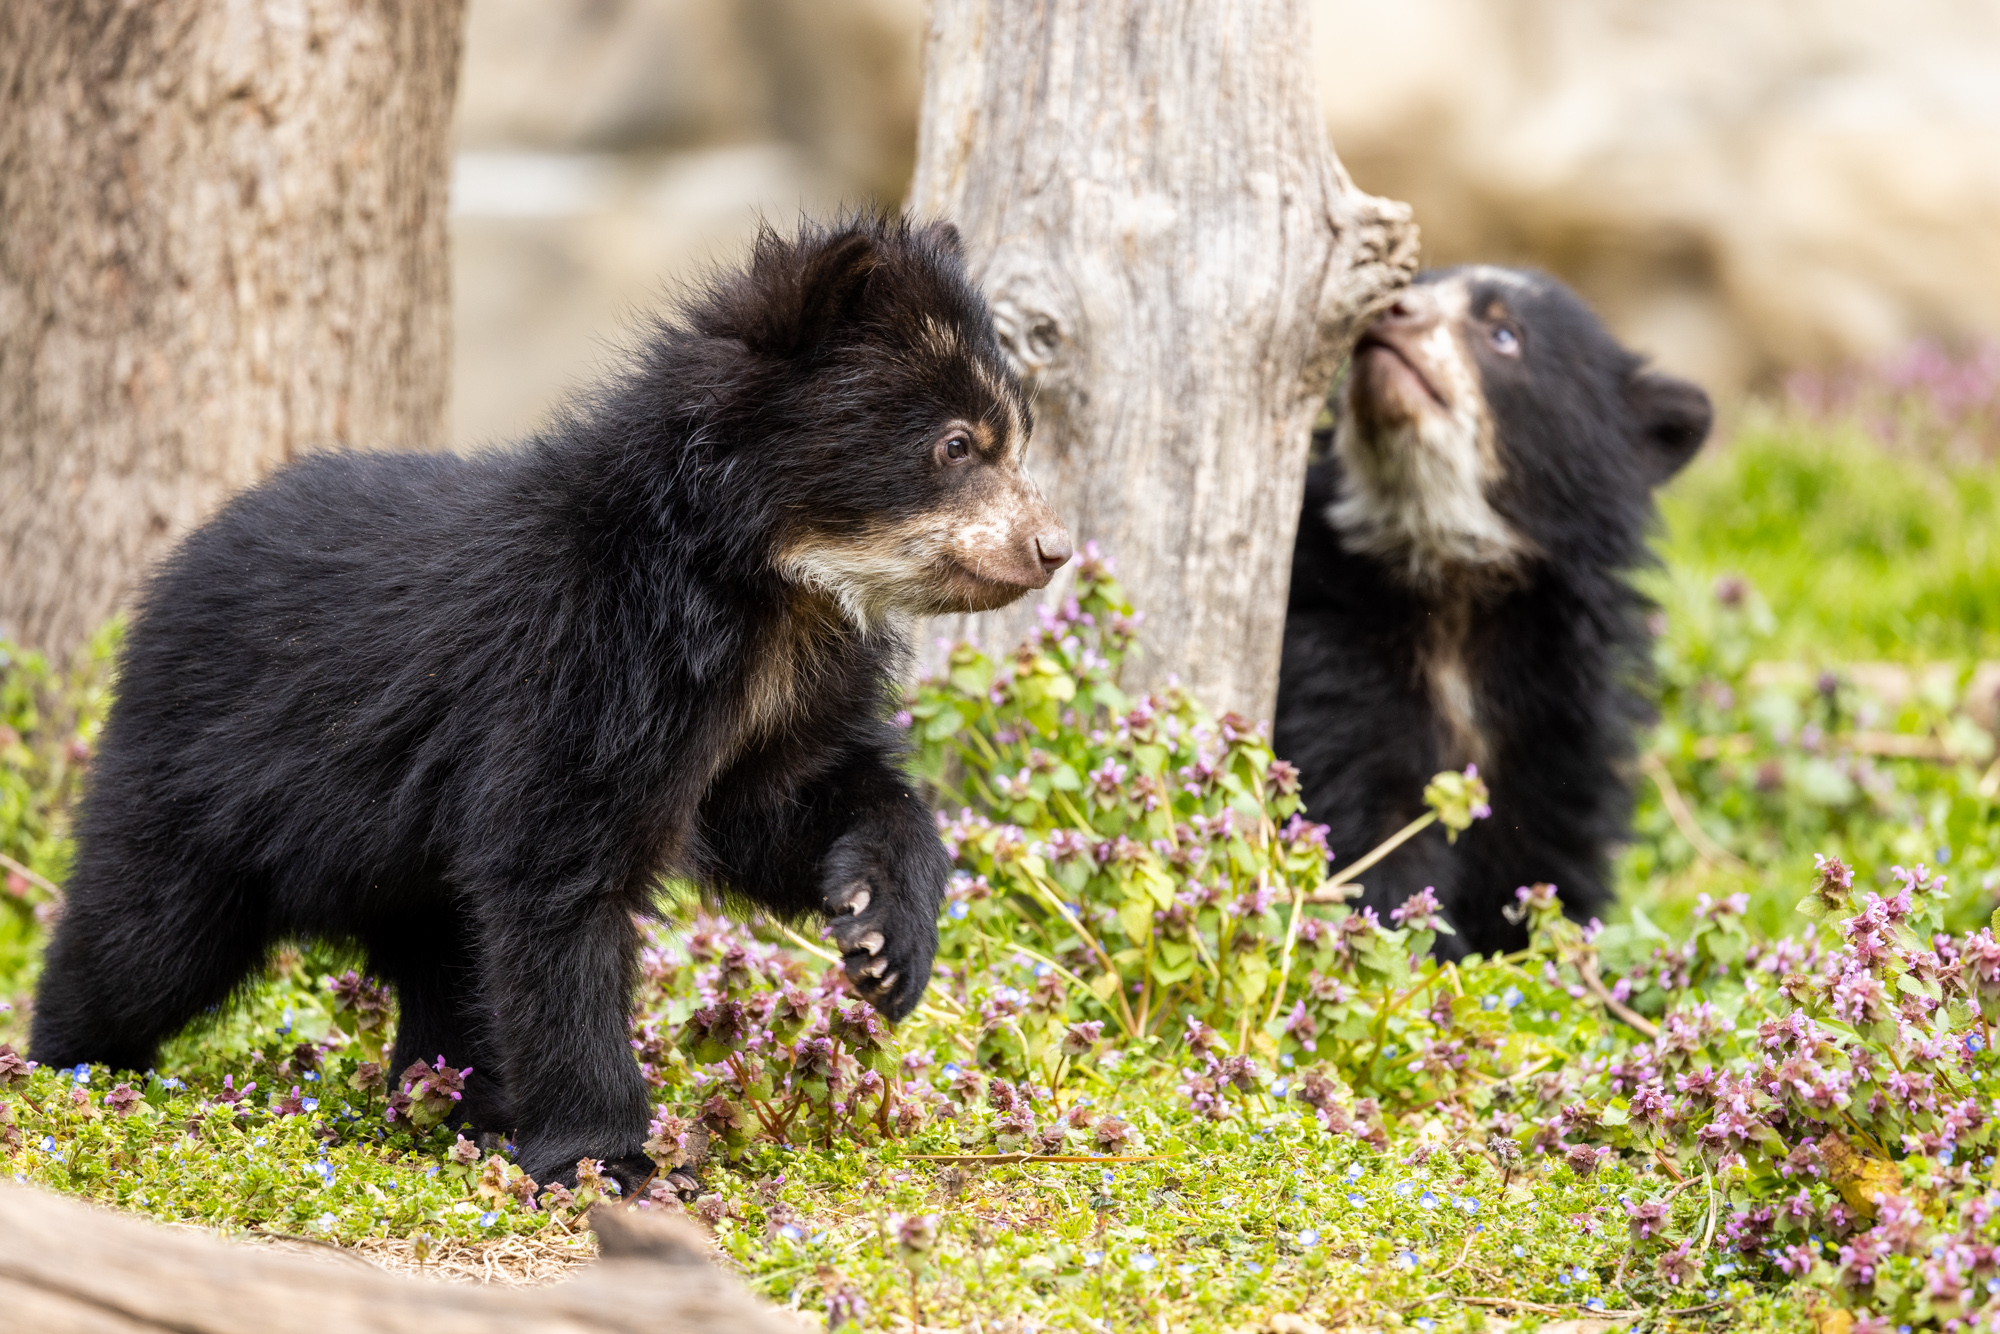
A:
(784, 672)
(1446, 675)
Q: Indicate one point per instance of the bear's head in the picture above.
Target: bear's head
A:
(888, 425)
(1489, 422)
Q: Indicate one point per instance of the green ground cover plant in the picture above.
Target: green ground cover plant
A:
(1167, 1077)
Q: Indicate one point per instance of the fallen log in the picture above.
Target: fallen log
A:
(72, 1268)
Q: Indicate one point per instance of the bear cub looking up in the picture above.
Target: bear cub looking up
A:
(1459, 592)
(467, 712)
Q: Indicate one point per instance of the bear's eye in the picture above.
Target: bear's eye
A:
(954, 448)
(1505, 340)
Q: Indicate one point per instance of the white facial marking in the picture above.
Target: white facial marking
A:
(1415, 492)
(875, 579)
(1486, 273)
(907, 569)
(939, 339)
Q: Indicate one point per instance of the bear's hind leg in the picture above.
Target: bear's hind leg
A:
(137, 953)
(430, 963)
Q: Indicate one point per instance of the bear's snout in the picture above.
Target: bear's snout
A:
(1033, 543)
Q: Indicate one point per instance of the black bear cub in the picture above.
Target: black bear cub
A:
(1459, 592)
(467, 712)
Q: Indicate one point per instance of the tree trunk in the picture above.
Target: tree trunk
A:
(222, 243)
(1177, 263)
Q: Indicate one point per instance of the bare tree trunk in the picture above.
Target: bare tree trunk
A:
(1177, 261)
(222, 243)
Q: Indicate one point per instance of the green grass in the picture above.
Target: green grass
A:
(1849, 554)
(1859, 552)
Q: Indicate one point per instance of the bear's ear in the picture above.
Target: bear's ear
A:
(1674, 418)
(945, 236)
(824, 285)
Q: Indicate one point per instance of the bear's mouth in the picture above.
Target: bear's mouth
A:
(963, 589)
(1373, 350)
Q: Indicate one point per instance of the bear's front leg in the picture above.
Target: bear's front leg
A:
(882, 883)
(854, 844)
(559, 971)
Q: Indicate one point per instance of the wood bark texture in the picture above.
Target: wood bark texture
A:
(73, 1268)
(222, 243)
(1177, 262)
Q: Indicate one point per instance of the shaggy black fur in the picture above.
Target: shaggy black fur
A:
(467, 712)
(1423, 635)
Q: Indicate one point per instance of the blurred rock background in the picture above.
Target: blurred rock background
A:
(1743, 187)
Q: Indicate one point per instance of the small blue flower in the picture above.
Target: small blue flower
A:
(1356, 1198)
(1594, 1304)
(1944, 1157)
(1092, 1257)
(81, 1074)
(328, 1222)
(310, 1076)
(1144, 1262)
(791, 1232)
(1308, 1237)
(48, 1144)
(1425, 1323)
(1428, 1200)
(1354, 1171)
(1467, 1203)
(1520, 1254)
(1253, 1266)
(1511, 997)
(1186, 1267)
(310, 1104)
(1403, 1189)
(1286, 1060)
(259, 1142)
(1279, 1086)
(1562, 1277)
(1489, 1002)
(1407, 1259)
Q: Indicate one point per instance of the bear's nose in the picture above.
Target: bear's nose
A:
(1053, 550)
(1414, 309)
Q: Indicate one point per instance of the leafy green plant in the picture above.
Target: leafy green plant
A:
(1146, 859)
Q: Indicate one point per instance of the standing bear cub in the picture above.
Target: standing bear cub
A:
(1459, 592)
(467, 712)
